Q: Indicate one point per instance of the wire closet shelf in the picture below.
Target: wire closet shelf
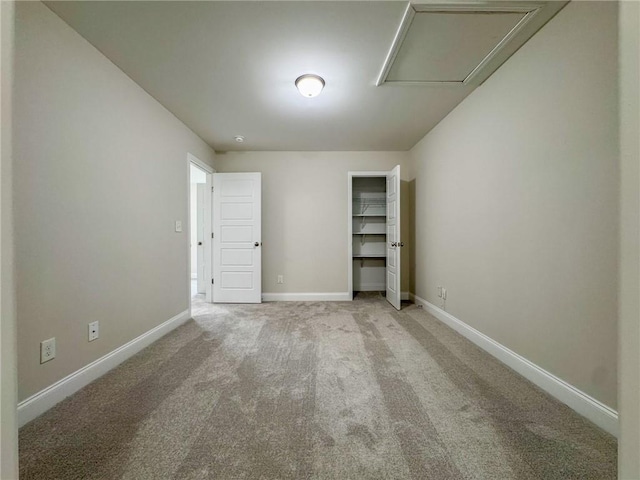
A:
(369, 204)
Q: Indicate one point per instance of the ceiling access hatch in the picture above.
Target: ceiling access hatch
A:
(460, 43)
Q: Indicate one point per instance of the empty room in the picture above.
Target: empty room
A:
(320, 240)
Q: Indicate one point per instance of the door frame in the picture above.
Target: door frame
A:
(208, 227)
(201, 281)
(350, 176)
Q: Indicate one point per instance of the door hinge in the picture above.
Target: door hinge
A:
(211, 234)
(212, 281)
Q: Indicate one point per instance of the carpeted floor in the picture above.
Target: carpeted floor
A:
(335, 390)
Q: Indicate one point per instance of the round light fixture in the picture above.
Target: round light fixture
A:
(239, 138)
(309, 85)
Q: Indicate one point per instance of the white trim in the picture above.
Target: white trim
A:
(350, 234)
(42, 401)
(199, 163)
(372, 287)
(208, 228)
(188, 226)
(503, 43)
(208, 240)
(398, 40)
(530, 9)
(368, 173)
(600, 414)
(306, 297)
(350, 176)
(474, 6)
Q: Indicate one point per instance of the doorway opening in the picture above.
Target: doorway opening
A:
(374, 234)
(200, 220)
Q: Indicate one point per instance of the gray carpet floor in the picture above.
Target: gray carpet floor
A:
(332, 390)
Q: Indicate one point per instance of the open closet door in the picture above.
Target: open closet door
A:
(237, 238)
(393, 237)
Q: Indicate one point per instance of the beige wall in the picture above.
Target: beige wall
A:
(8, 382)
(629, 339)
(100, 179)
(304, 214)
(517, 202)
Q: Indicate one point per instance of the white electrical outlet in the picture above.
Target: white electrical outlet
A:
(47, 350)
(280, 278)
(439, 291)
(178, 226)
(94, 331)
(444, 293)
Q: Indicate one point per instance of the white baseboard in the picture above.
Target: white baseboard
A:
(587, 406)
(371, 287)
(318, 297)
(42, 401)
(306, 297)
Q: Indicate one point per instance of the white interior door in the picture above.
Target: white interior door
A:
(393, 238)
(237, 238)
(202, 280)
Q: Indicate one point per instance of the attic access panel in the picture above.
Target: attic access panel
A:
(460, 43)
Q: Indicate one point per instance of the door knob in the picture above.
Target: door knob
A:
(199, 243)
(394, 244)
(402, 244)
(257, 244)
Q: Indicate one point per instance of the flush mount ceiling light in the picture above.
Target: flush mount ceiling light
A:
(239, 138)
(309, 85)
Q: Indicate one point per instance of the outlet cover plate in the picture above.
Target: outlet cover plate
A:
(94, 331)
(47, 350)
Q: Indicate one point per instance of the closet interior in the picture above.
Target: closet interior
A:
(369, 240)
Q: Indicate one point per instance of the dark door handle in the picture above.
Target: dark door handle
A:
(402, 244)
(199, 243)
(257, 244)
